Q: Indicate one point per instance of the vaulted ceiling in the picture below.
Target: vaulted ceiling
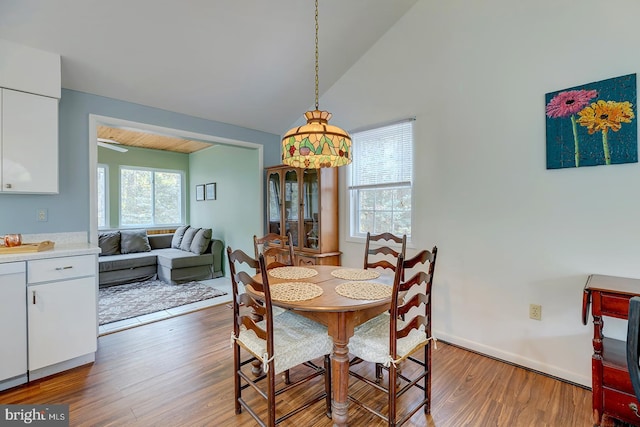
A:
(245, 62)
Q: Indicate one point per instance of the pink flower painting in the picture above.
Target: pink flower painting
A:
(567, 104)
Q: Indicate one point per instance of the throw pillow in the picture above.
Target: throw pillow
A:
(109, 242)
(134, 241)
(185, 245)
(201, 241)
(177, 236)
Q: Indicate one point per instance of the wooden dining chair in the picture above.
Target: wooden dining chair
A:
(392, 338)
(278, 343)
(381, 255)
(276, 249)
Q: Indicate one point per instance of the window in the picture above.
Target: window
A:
(150, 197)
(381, 180)
(102, 192)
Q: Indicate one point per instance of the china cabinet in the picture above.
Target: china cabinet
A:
(304, 202)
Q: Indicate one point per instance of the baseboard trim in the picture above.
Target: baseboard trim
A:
(516, 360)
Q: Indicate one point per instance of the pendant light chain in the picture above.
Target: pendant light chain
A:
(317, 56)
(316, 144)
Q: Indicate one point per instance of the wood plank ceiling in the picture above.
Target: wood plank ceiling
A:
(133, 138)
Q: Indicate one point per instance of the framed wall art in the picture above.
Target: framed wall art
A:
(592, 124)
(210, 191)
(200, 192)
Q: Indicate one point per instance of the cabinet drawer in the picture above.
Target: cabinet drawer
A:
(617, 379)
(45, 270)
(305, 260)
(615, 305)
(620, 405)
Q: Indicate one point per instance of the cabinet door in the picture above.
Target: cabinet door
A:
(29, 143)
(13, 320)
(62, 321)
(291, 204)
(310, 209)
(274, 203)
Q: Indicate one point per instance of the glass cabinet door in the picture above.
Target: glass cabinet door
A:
(310, 209)
(274, 204)
(291, 204)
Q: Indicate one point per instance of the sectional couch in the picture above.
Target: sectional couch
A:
(131, 255)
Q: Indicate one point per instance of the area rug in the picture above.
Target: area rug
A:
(136, 299)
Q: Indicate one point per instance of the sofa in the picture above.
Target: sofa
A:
(190, 253)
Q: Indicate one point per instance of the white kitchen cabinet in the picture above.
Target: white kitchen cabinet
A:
(13, 325)
(61, 308)
(28, 143)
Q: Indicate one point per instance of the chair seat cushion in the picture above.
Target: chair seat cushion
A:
(370, 341)
(296, 340)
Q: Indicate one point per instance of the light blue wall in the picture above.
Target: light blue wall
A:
(69, 210)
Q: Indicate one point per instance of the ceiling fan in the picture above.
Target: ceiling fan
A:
(107, 143)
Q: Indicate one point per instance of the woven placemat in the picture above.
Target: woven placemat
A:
(364, 290)
(292, 272)
(294, 291)
(355, 274)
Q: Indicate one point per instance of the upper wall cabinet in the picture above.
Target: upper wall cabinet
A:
(28, 143)
(29, 92)
(30, 70)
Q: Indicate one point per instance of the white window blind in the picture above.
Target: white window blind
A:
(383, 157)
(381, 180)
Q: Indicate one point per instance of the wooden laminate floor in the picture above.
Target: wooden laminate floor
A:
(178, 372)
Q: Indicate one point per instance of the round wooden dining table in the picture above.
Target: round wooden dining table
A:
(340, 314)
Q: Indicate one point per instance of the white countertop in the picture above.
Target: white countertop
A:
(57, 251)
(65, 244)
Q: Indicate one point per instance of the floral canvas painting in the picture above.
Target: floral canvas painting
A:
(593, 124)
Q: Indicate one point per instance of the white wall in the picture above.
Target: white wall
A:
(509, 232)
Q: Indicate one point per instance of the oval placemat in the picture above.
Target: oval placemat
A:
(292, 272)
(364, 290)
(294, 291)
(355, 274)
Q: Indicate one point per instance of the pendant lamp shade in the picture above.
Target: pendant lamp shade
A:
(316, 144)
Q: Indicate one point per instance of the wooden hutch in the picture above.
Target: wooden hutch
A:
(305, 203)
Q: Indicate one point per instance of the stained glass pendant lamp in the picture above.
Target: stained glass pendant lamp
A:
(316, 144)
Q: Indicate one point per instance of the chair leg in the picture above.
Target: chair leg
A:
(285, 377)
(427, 378)
(393, 391)
(236, 377)
(327, 382)
(378, 373)
(271, 397)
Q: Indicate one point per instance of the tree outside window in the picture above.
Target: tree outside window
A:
(150, 197)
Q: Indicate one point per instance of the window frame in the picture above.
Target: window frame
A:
(352, 193)
(107, 222)
(183, 196)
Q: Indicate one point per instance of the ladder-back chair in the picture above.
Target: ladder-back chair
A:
(392, 338)
(278, 343)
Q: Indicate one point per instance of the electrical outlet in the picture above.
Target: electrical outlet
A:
(42, 215)
(535, 311)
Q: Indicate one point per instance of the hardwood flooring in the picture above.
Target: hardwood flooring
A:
(178, 372)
